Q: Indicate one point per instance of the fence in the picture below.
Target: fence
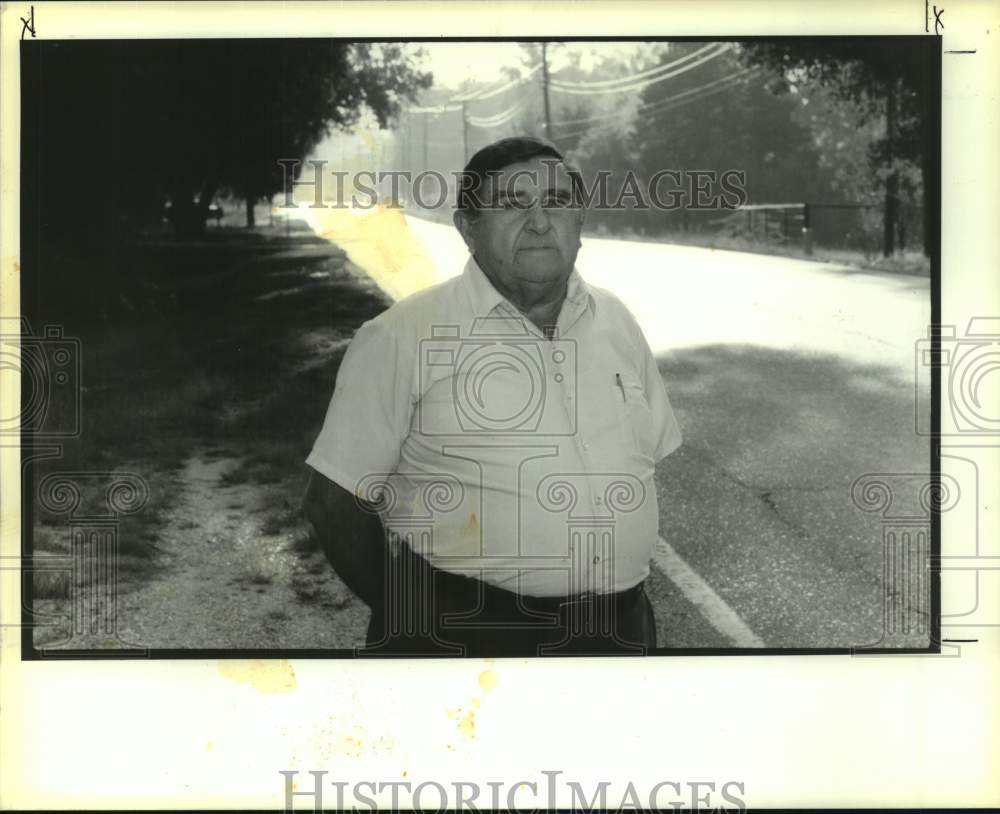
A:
(837, 226)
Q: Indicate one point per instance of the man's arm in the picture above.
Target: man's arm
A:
(351, 537)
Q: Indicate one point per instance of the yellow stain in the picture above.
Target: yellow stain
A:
(381, 243)
(467, 725)
(264, 675)
(488, 680)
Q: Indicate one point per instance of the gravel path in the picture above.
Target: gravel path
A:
(226, 583)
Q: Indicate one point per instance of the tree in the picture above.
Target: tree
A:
(713, 117)
(125, 124)
(888, 78)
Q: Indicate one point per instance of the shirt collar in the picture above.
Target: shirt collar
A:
(485, 298)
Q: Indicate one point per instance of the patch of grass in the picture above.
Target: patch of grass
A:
(236, 476)
(50, 584)
(318, 566)
(308, 593)
(217, 452)
(339, 604)
(49, 539)
(253, 470)
(278, 523)
(135, 567)
(305, 545)
(180, 354)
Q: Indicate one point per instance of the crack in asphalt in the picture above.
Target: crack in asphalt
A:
(765, 497)
(764, 494)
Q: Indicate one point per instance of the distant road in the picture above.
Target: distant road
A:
(686, 296)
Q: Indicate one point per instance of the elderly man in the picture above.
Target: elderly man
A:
(484, 476)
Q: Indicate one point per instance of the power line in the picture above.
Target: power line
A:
(677, 101)
(646, 82)
(671, 102)
(588, 130)
(625, 80)
(434, 110)
(652, 106)
(499, 118)
(487, 94)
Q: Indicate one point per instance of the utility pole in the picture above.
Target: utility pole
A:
(404, 142)
(465, 134)
(426, 117)
(545, 89)
(410, 141)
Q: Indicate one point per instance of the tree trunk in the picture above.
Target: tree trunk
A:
(889, 214)
(251, 201)
(184, 213)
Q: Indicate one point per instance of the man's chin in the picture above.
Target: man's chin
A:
(541, 272)
(548, 260)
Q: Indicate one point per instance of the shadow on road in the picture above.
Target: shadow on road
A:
(758, 499)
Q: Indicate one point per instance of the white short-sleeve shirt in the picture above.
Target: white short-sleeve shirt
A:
(523, 461)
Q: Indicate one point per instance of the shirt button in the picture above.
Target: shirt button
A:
(596, 560)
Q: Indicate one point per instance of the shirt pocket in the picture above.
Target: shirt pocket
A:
(636, 424)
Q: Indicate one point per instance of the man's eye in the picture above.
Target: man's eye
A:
(557, 201)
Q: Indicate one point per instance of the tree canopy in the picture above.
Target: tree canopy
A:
(888, 80)
(124, 126)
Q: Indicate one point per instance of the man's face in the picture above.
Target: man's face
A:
(529, 235)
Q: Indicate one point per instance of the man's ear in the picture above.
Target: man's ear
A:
(464, 225)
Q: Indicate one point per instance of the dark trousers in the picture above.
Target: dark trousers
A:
(430, 612)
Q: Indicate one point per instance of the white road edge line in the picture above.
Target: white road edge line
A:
(700, 594)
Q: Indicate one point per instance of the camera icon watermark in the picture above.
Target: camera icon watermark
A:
(92, 554)
(48, 367)
(907, 503)
(500, 379)
(440, 603)
(408, 609)
(969, 370)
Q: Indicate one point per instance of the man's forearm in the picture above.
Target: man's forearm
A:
(352, 539)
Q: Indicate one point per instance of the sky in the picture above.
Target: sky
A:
(452, 63)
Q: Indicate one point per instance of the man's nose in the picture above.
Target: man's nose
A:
(538, 218)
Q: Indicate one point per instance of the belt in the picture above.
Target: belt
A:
(557, 604)
(466, 590)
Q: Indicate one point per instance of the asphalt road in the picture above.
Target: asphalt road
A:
(791, 380)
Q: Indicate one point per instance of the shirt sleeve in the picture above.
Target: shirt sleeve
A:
(369, 413)
(666, 430)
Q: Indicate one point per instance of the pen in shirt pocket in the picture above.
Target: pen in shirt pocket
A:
(618, 381)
